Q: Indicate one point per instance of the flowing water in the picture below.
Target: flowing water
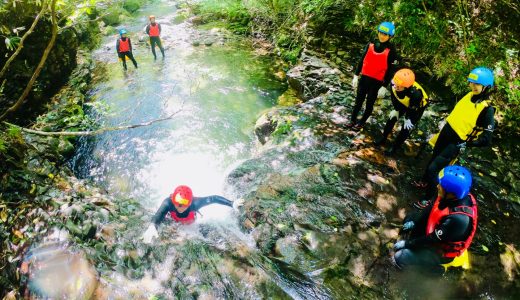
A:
(215, 95)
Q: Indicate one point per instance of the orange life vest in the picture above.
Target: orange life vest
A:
(154, 30)
(187, 220)
(124, 46)
(453, 249)
(375, 64)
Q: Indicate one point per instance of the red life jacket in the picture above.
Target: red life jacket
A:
(187, 220)
(124, 46)
(154, 30)
(453, 249)
(375, 64)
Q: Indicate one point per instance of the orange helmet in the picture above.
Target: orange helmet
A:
(151, 16)
(182, 196)
(404, 78)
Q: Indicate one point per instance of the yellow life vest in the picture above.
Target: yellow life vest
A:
(406, 100)
(463, 117)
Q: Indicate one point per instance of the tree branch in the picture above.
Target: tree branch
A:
(22, 40)
(95, 132)
(81, 22)
(39, 68)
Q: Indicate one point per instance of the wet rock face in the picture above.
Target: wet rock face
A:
(313, 77)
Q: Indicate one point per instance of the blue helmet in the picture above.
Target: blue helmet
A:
(481, 75)
(122, 31)
(387, 28)
(456, 180)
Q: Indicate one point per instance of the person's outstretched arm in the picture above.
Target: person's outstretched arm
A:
(199, 202)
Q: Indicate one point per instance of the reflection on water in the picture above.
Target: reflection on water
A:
(221, 90)
(54, 271)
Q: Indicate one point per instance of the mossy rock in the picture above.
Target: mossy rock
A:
(132, 5)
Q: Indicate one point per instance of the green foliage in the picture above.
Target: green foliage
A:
(444, 39)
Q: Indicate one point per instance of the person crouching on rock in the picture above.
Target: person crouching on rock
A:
(409, 100)
(124, 48)
(470, 124)
(182, 207)
(376, 70)
(444, 230)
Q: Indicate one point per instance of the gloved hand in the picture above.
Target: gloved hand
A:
(393, 114)
(399, 245)
(355, 81)
(461, 146)
(382, 92)
(408, 225)
(237, 203)
(150, 234)
(407, 124)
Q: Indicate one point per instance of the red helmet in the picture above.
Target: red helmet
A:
(182, 195)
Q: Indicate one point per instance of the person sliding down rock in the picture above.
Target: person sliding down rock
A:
(376, 68)
(183, 207)
(470, 124)
(444, 230)
(409, 100)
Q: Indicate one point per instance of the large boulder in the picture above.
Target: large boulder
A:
(313, 77)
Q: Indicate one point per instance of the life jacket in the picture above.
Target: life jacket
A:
(187, 220)
(406, 100)
(453, 249)
(375, 64)
(154, 30)
(124, 46)
(463, 118)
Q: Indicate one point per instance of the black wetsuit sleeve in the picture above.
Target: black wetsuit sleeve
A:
(485, 120)
(165, 208)
(360, 63)
(130, 44)
(415, 106)
(117, 46)
(392, 62)
(159, 28)
(147, 30)
(199, 202)
(451, 229)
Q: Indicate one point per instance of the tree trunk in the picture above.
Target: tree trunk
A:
(39, 68)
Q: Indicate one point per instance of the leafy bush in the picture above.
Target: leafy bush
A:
(443, 39)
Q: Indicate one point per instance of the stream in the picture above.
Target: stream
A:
(215, 94)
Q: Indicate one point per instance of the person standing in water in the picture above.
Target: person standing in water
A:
(154, 32)
(124, 48)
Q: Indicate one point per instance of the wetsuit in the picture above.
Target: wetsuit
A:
(369, 86)
(446, 150)
(414, 111)
(124, 48)
(154, 32)
(198, 202)
(425, 250)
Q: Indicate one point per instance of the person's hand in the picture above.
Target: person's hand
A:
(408, 225)
(150, 234)
(461, 146)
(407, 124)
(399, 245)
(355, 81)
(393, 114)
(237, 203)
(382, 92)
